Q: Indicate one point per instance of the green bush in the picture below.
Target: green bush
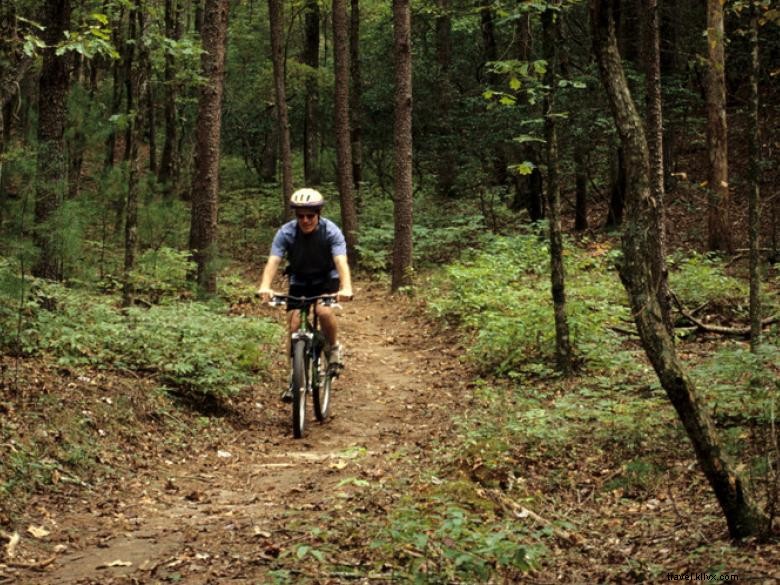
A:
(192, 346)
(699, 278)
(501, 294)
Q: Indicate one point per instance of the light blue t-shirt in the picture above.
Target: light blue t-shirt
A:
(283, 241)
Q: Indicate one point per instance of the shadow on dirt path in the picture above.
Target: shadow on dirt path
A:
(222, 513)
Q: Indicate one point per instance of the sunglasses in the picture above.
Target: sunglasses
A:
(306, 215)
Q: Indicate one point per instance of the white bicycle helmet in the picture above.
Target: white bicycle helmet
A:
(308, 198)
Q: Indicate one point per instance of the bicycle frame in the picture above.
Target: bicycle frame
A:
(309, 376)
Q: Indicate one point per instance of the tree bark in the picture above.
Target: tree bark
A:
(276, 17)
(490, 52)
(754, 212)
(640, 245)
(581, 186)
(356, 99)
(205, 184)
(53, 85)
(169, 161)
(133, 88)
(719, 237)
(655, 137)
(311, 57)
(116, 94)
(402, 142)
(341, 127)
(146, 92)
(563, 349)
(617, 193)
(445, 157)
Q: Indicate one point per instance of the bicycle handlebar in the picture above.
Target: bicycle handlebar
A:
(328, 300)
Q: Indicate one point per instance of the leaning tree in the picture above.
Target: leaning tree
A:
(645, 285)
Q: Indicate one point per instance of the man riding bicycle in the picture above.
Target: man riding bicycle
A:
(316, 253)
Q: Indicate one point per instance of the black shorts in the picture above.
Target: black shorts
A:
(311, 290)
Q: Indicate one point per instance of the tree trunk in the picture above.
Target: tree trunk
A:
(341, 126)
(135, 88)
(617, 193)
(563, 350)
(445, 157)
(205, 184)
(754, 217)
(311, 57)
(169, 163)
(356, 98)
(276, 17)
(640, 246)
(145, 65)
(655, 137)
(490, 51)
(718, 234)
(116, 94)
(270, 154)
(54, 85)
(581, 186)
(402, 142)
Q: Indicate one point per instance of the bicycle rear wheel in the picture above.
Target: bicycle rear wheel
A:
(321, 389)
(299, 383)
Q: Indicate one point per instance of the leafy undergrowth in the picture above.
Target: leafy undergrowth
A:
(196, 348)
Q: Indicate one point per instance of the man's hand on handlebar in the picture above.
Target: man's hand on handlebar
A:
(344, 295)
(265, 294)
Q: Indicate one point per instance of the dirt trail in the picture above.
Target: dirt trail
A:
(222, 513)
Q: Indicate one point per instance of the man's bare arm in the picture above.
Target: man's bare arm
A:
(269, 272)
(345, 278)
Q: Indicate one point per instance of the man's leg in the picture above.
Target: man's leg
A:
(328, 323)
(293, 324)
(329, 329)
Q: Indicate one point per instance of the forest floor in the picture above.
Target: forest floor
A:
(226, 498)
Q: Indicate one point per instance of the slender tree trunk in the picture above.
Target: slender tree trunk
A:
(490, 49)
(563, 349)
(617, 196)
(341, 126)
(356, 99)
(311, 57)
(754, 211)
(270, 154)
(116, 99)
(168, 171)
(581, 186)
(276, 16)
(14, 66)
(53, 90)
(655, 138)
(719, 237)
(445, 157)
(205, 184)
(145, 63)
(640, 246)
(133, 89)
(402, 142)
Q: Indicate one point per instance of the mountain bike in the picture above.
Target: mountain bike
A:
(310, 371)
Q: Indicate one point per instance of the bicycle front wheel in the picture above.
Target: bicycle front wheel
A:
(299, 384)
(321, 389)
